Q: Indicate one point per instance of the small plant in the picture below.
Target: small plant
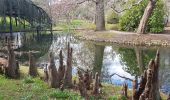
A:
(59, 94)
(28, 80)
(65, 95)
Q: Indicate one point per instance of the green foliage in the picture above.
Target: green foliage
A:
(156, 22)
(28, 79)
(131, 18)
(65, 95)
(112, 18)
(117, 97)
(74, 24)
(37, 90)
(128, 57)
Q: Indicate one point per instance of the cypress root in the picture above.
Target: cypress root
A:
(146, 95)
(32, 66)
(17, 71)
(168, 97)
(10, 70)
(149, 85)
(87, 80)
(82, 86)
(68, 72)
(124, 90)
(134, 94)
(3, 65)
(61, 69)
(53, 78)
(46, 76)
(96, 84)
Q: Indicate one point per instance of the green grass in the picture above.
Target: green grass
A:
(28, 88)
(32, 89)
(81, 24)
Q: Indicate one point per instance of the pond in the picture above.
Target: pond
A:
(116, 64)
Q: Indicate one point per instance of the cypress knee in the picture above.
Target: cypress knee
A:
(124, 90)
(87, 80)
(61, 69)
(96, 84)
(68, 72)
(53, 79)
(32, 66)
(10, 71)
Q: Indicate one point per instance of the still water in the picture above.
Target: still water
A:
(112, 61)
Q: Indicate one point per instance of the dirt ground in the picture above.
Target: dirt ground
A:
(128, 38)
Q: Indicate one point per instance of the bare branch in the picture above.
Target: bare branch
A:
(121, 76)
(80, 2)
(119, 11)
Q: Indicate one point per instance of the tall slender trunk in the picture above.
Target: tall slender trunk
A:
(100, 15)
(147, 13)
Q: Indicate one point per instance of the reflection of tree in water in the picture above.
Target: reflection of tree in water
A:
(128, 57)
(39, 44)
(135, 60)
(82, 51)
(98, 58)
(164, 69)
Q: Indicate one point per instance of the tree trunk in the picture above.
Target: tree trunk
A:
(11, 67)
(32, 65)
(147, 13)
(100, 16)
(155, 81)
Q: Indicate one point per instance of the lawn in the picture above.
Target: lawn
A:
(28, 88)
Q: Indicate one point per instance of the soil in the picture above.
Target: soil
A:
(128, 38)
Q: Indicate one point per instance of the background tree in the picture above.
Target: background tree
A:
(131, 18)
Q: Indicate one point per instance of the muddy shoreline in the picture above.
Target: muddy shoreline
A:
(126, 38)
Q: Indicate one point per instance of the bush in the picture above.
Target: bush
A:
(131, 18)
(112, 18)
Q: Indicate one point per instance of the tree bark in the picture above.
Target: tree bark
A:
(145, 18)
(100, 15)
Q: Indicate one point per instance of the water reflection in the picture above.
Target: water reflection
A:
(108, 60)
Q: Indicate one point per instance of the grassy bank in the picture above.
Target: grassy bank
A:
(28, 88)
(81, 24)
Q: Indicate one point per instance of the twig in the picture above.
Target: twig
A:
(117, 11)
(121, 76)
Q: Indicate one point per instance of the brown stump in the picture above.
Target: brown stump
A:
(81, 86)
(96, 84)
(124, 90)
(53, 79)
(168, 97)
(32, 66)
(68, 72)
(17, 71)
(87, 80)
(149, 85)
(3, 65)
(46, 76)
(10, 70)
(61, 70)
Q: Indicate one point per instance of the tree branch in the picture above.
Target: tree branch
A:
(80, 2)
(117, 11)
(121, 76)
